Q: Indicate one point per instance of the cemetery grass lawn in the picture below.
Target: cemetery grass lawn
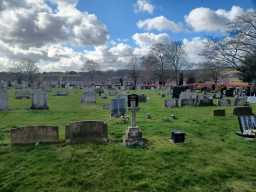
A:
(213, 158)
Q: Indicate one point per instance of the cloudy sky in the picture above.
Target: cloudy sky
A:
(61, 35)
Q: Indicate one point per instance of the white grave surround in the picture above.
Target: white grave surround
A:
(251, 99)
(3, 100)
(39, 99)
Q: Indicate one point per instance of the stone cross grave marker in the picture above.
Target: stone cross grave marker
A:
(133, 135)
(39, 99)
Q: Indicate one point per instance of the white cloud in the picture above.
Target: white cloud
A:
(32, 29)
(147, 39)
(205, 19)
(144, 6)
(160, 23)
(193, 49)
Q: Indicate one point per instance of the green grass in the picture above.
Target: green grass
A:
(212, 159)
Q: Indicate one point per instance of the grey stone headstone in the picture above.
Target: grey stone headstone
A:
(35, 134)
(39, 99)
(118, 107)
(224, 102)
(240, 101)
(170, 103)
(87, 131)
(242, 111)
(3, 99)
(251, 99)
(247, 125)
(23, 93)
(89, 96)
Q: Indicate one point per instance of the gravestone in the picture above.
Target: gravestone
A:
(35, 134)
(187, 98)
(39, 99)
(251, 99)
(224, 102)
(3, 99)
(204, 100)
(89, 95)
(170, 103)
(219, 113)
(247, 126)
(243, 110)
(240, 101)
(177, 136)
(87, 131)
(133, 136)
(23, 93)
(142, 98)
(118, 107)
(61, 93)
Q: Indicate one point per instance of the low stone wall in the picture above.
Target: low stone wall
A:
(87, 131)
(35, 134)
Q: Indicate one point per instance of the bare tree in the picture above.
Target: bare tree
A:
(152, 68)
(134, 71)
(171, 56)
(91, 67)
(238, 45)
(26, 68)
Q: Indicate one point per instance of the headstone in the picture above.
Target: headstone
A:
(23, 93)
(35, 134)
(133, 136)
(240, 101)
(87, 131)
(170, 103)
(177, 136)
(61, 93)
(219, 113)
(251, 99)
(224, 102)
(247, 125)
(142, 98)
(118, 107)
(39, 99)
(204, 101)
(187, 98)
(89, 96)
(3, 99)
(241, 111)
